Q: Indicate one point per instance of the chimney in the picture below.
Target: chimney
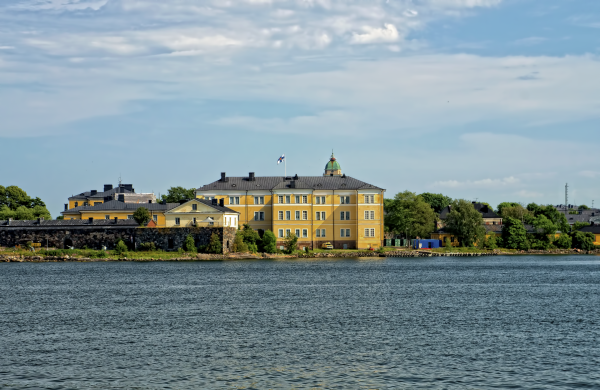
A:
(296, 176)
(222, 202)
(121, 198)
(251, 177)
(107, 187)
(344, 176)
(224, 177)
(94, 192)
(66, 207)
(91, 220)
(215, 202)
(116, 220)
(149, 200)
(40, 219)
(128, 187)
(293, 184)
(9, 221)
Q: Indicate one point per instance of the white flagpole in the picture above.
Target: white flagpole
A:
(285, 165)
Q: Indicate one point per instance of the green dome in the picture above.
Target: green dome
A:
(333, 165)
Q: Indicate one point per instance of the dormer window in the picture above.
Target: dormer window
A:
(195, 207)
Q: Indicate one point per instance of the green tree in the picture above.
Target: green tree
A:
(513, 210)
(514, 235)
(291, 243)
(583, 207)
(437, 201)
(120, 248)
(189, 244)
(564, 241)
(251, 238)
(544, 237)
(177, 194)
(408, 212)
(269, 242)
(238, 243)
(550, 212)
(491, 241)
(14, 199)
(142, 216)
(583, 240)
(448, 243)
(214, 245)
(579, 225)
(465, 223)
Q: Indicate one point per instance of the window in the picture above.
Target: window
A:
(347, 232)
(342, 232)
(177, 221)
(259, 216)
(195, 207)
(288, 232)
(107, 217)
(369, 214)
(305, 215)
(318, 216)
(322, 233)
(304, 233)
(342, 215)
(280, 198)
(344, 199)
(317, 199)
(297, 199)
(347, 215)
(259, 200)
(288, 215)
(297, 232)
(304, 199)
(76, 204)
(234, 200)
(318, 232)
(323, 200)
(130, 217)
(287, 199)
(97, 203)
(323, 215)
(155, 218)
(297, 214)
(280, 233)
(369, 232)
(225, 221)
(369, 198)
(281, 215)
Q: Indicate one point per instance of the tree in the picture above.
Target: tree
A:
(120, 248)
(238, 243)
(16, 204)
(251, 238)
(465, 222)
(491, 241)
(545, 231)
(513, 210)
(447, 243)
(514, 235)
(583, 241)
(564, 241)
(214, 245)
(189, 244)
(269, 242)
(550, 212)
(583, 207)
(408, 212)
(291, 243)
(142, 216)
(177, 194)
(437, 201)
(579, 225)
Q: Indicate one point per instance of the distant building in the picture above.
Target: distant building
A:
(202, 213)
(125, 192)
(118, 209)
(595, 230)
(488, 215)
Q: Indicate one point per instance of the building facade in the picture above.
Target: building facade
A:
(334, 208)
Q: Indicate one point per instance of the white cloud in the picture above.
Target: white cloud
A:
(481, 183)
(388, 33)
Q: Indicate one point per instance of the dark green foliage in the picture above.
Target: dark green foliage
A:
(583, 207)
(583, 241)
(550, 212)
(214, 246)
(189, 245)
(408, 212)
(16, 204)
(147, 247)
(177, 194)
(579, 225)
(60, 217)
(120, 248)
(490, 242)
(513, 210)
(269, 242)
(291, 243)
(564, 241)
(437, 201)
(465, 223)
(142, 216)
(251, 238)
(544, 237)
(514, 235)
(448, 243)
(238, 243)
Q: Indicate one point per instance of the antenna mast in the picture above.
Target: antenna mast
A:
(566, 197)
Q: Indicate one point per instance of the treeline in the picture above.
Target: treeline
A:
(16, 204)
(531, 227)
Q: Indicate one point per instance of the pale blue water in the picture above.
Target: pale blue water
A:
(447, 323)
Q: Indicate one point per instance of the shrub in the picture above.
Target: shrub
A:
(583, 241)
(189, 244)
(214, 246)
(269, 242)
(291, 243)
(120, 248)
(147, 246)
(564, 241)
(448, 243)
(142, 216)
(238, 243)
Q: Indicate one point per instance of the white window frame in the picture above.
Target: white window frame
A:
(318, 233)
(177, 221)
(317, 200)
(194, 207)
(342, 215)
(342, 232)
(130, 217)
(323, 216)
(280, 215)
(323, 200)
(366, 232)
(259, 200)
(297, 199)
(318, 216)
(304, 199)
(297, 232)
(288, 199)
(304, 215)
(281, 199)
(297, 214)
(348, 233)
(323, 235)
(372, 232)
(304, 233)
(372, 214)
(288, 215)
(155, 218)
(280, 233)
(107, 217)
(288, 232)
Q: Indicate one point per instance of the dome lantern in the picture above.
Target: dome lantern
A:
(333, 167)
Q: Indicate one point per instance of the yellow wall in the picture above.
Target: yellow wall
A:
(112, 214)
(81, 202)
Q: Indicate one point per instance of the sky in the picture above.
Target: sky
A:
(488, 100)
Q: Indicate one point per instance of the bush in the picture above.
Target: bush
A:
(189, 244)
(291, 243)
(564, 241)
(238, 243)
(120, 248)
(583, 241)
(147, 247)
(448, 243)
(142, 216)
(269, 242)
(214, 246)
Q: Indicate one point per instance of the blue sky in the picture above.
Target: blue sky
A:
(496, 100)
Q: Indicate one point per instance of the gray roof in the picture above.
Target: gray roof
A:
(591, 229)
(101, 195)
(280, 182)
(115, 205)
(215, 206)
(70, 222)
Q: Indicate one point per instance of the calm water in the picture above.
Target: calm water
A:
(520, 322)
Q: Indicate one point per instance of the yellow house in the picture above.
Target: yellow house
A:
(595, 230)
(333, 208)
(120, 210)
(124, 192)
(201, 213)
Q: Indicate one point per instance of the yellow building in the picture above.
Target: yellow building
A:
(333, 208)
(124, 192)
(201, 213)
(595, 230)
(120, 210)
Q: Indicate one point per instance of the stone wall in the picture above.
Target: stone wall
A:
(173, 238)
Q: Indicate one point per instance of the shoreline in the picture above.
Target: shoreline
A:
(21, 258)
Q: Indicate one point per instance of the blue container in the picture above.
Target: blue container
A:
(426, 244)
